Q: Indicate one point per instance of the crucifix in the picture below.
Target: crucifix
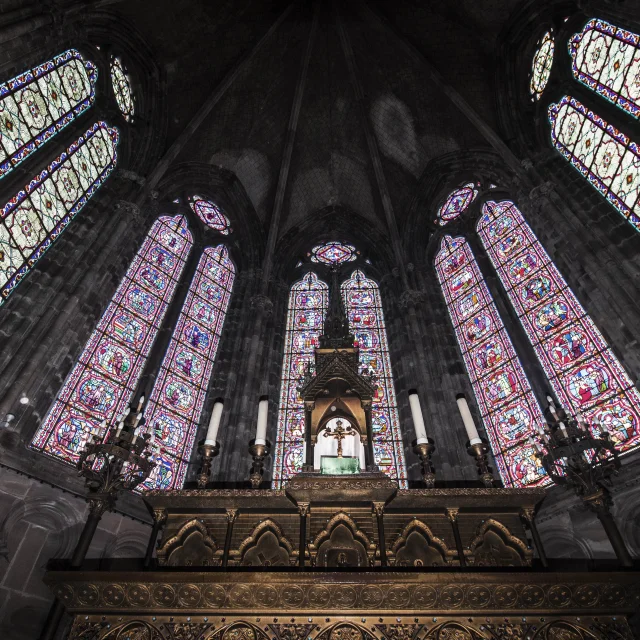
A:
(339, 434)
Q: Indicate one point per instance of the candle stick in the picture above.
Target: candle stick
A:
(263, 412)
(467, 419)
(214, 423)
(418, 419)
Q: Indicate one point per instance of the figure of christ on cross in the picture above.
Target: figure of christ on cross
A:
(339, 434)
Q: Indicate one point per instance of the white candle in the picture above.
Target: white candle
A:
(214, 423)
(467, 419)
(418, 419)
(140, 402)
(261, 430)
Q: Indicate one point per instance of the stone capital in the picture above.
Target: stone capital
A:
(263, 303)
(411, 298)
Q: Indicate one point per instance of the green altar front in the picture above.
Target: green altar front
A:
(334, 466)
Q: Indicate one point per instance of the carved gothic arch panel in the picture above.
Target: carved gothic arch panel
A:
(267, 546)
(345, 631)
(417, 546)
(342, 544)
(239, 630)
(495, 545)
(192, 546)
(455, 631)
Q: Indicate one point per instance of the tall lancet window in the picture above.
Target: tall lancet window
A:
(180, 389)
(606, 59)
(307, 309)
(607, 158)
(36, 216)
(366, 320)
(38, 103)
(102, 382)
(583, 370)
(508, 407)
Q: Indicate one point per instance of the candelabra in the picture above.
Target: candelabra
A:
(258, 452)
(120, 462)
(577, 459)
(479, 451)
(207, 453)
(424, 451)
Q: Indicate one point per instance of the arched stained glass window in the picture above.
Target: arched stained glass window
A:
(305, 317)
(34, 218)
(509, 410)
(333, 253)
(584, 372)
(456, 203)
(179, 392)
(38, 103)
(606, 59)
(122, 89)
(541, 65)
(603, 155)
(103, 380)
(210, 214)
(366, 320)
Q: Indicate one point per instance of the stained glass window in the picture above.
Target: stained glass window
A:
(34, 218)
(122, 89)
(508, 407)
(541, 65)
(179, 392)
(103, 380)
(603, 155)
(38, 103)
(607, 59)
(366, 321)
(307, 309)
(585, 374)
(457, 203)
(210, 214)
(333, 253)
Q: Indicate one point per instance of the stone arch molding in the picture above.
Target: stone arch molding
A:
(495, 545)
(266, 546)
(191, 546)
(342, 543)
(417, 546)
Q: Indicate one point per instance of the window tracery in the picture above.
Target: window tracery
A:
(308, 301)
(36, 216)
(122, 90)
(584, 372)
(366, 321)
(606, 157)
(210, 214)
(333, 253)
(606, 59)
(541, 65)
(103, 380)
(37, 104)
(180, 389)
(507, 404)
(457, 203)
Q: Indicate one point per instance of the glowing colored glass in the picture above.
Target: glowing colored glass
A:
(456, 203)
(333, 253)
(36, 216)
(603, 155)
(607, 60)
(122, 89)
(508, 407)
(210, 214)
(585, 374)
(366, 321)
(180, 389)
(103, 380)
(541, 65)
(38, 103)
(307, 309)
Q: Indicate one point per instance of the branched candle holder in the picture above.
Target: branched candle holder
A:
(258, 452)
(479, 451)
(577, 459)
(424, 451)
(207, 453)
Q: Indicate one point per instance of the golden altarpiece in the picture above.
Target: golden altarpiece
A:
(346, 555)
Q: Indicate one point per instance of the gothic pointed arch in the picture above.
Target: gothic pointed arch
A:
(509, 410)
(103, 381)
(495, 545)
(266, 546)
(342, 543)
(417, 546)
(191, 545)
(584, 372)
